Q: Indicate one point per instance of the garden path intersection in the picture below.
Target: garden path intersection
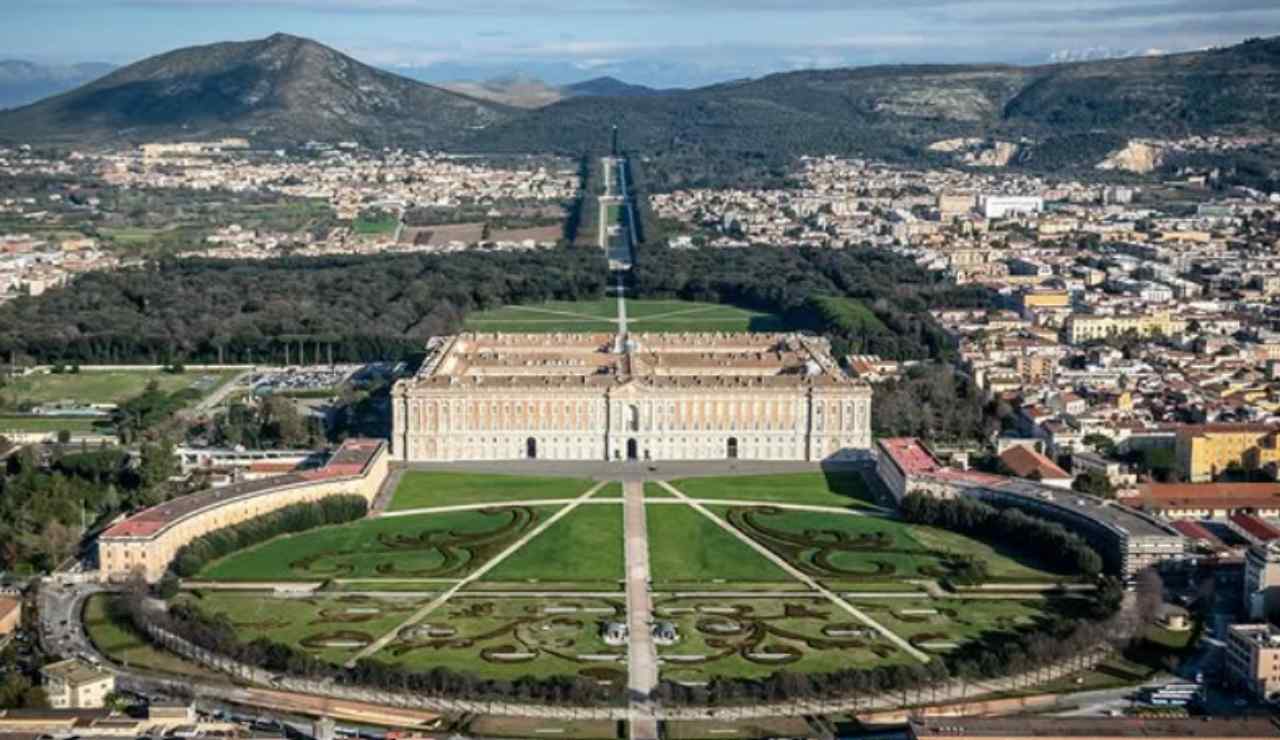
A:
(726, 551)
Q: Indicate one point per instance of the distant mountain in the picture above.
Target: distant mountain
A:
(521, 91)
(743, 130)
(517, 91)
(610, 87)
(23, 82)
(281, 89)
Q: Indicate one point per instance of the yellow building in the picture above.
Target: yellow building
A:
(1253, 659)
(10, 615)
(145, 544)
(74, 684)
(1045, 300)
(1205, 451)
(1082, 328)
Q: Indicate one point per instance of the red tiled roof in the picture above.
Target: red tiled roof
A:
(1210, 495)
(1026, 462)
(1255, 527)
(1197, 531)
(910, 455)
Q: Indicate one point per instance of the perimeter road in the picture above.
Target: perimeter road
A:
(858, 614)
(437, 602)
(642, 657)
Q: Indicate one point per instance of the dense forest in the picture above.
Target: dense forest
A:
(204, 310)
(384, 307)
(868, 301)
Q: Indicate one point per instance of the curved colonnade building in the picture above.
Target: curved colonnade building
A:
(145, 543)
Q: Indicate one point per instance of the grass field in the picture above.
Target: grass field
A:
(586, 545)
(76, 425)
(368, 227)
(527, 727)
(687, 547)
(642, 316)
(106, 387)
(117, 639)
(333, 628)
(753, 638)
(531, 636)
(419, 489)
(869, 547)
(822, 489)
(446, 545)
(956, 620)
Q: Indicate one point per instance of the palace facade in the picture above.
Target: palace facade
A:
(638, 397)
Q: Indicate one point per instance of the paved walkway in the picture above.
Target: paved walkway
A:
(818, 508)
(642, 656)
(858, 614)
(439, 601)
(642, 470)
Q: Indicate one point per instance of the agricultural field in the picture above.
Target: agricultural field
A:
(105, 387)
(870, 548)
(834, 488)
(428, 546)
(513, 637)
(420, 489)
(586, 545)
(687, 547)
(642, 316)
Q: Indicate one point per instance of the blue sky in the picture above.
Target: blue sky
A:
(662, 42)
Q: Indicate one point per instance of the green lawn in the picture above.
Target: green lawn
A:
(642, 316)
(550, 634)
(653, 490)
(116, 638)
(384, 225)
(419, 489)
(106, 387)
(869, 547)
(446, 545)
(726, 637)
(687, 547)
(54, 424)
(612, 489)
(846, 489)
(586, 545)
(333, 628)
(957, 620)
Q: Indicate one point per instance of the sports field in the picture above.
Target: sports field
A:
(89, 387)
(420, 490)
(642, 316)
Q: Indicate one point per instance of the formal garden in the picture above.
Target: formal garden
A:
(498, 581)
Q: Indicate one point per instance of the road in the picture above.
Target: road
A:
(213, 400)
(642, 656)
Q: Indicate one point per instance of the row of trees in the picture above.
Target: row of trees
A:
(198, 553)
(363, 307)
(1050, 542)
(812, 288)
(1026, 654)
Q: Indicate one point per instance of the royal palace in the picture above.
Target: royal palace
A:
(630, 397)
